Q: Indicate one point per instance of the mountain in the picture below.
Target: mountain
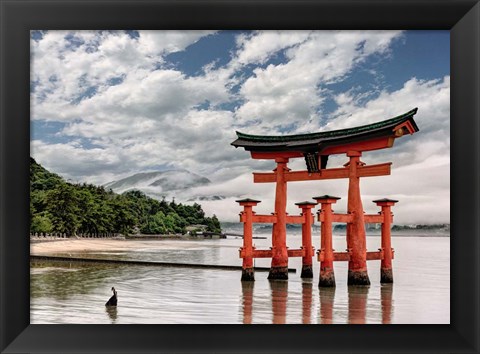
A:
(159, 183)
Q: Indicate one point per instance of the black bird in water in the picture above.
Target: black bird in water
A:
(113, 300)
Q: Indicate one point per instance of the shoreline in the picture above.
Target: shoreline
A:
(64, 245)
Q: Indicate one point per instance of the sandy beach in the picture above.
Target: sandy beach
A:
(90, 245)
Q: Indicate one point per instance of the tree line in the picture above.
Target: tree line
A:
(57, 206)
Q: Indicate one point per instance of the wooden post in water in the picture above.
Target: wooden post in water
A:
(246, 216)
(279, 267)
(325, 216)
(356, 237)
(306, 207)
(386, 272)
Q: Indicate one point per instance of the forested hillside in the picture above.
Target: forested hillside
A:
(62, 207)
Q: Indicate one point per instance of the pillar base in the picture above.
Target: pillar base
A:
(280, 273)
(358, 277)
(307, 271)
(248, 274)
(327, 279)
(386, 275)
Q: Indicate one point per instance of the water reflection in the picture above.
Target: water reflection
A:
(247, 299)
(354, 313)
(357, 304)
(279, 289)
(307, 290)
(112, 313)
(327, 299)
(59, 280)
(386, 295)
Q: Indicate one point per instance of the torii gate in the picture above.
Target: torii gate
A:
(316, 148)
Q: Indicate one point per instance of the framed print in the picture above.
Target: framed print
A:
(80, 92)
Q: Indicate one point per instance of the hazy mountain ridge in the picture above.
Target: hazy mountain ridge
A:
(159, 183)
(206, 198)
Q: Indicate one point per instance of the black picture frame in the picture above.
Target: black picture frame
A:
(18, 17)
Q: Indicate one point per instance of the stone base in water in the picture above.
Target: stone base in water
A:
(307, 271)
(278, 273)
(327, 279)
(358, 277)
(386, 275)
(248, 274)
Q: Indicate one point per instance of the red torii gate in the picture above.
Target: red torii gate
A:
(316, 148)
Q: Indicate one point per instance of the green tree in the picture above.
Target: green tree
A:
(213, 224)
(123, 219)
(62, 205)
(41, 223)
(155, 224)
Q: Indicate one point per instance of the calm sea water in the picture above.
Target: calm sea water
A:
(75, 293)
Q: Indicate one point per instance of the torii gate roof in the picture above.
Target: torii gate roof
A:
(366, 137)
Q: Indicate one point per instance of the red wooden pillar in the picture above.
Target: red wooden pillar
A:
(386, 272)
(325, 216)
(246, 216)
(356, 238)
(279, 267)
(306, 207)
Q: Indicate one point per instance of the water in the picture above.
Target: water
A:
(75, 293)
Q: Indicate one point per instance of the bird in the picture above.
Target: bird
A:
(113, 300)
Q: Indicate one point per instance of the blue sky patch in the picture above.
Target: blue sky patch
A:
(216, 48)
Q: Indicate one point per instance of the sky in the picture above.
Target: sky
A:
(109, 104)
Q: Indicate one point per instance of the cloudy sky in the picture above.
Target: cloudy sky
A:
(108, 104)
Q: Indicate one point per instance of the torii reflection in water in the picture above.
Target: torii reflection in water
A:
(356, 304)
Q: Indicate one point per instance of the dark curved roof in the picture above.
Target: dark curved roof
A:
(315, 141)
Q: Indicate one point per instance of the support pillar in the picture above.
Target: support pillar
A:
(356, 237)
(279, 267)
(327, 275)
(307, 271)
(386, 272)
(247, 250)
